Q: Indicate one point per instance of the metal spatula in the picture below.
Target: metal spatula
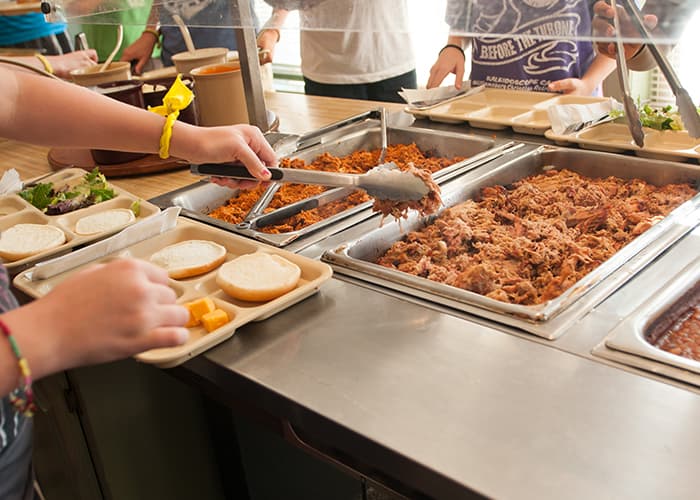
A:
(385, 182)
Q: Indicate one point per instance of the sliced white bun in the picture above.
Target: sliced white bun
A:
(190, 258)
(102, 222)
(23, 240)
(258, 277)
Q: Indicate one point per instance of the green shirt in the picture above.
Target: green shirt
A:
(103, 37)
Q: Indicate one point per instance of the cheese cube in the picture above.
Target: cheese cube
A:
(214, 320)
(199, 308)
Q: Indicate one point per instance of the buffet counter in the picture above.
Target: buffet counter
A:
(436, 402)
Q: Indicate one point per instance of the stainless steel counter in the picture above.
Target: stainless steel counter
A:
(432, 401)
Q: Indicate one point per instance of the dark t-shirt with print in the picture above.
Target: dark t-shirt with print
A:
(539, 47)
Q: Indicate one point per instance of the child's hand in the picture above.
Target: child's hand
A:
(62, 65)
(571, 86)
(450, 60)
(243, 143)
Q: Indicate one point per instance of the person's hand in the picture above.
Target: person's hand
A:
(62, 65)
(102, 313)
(242, 143)
(267, 40)
(140, 51)
(450, 60)
(603, 27)
(571, 86)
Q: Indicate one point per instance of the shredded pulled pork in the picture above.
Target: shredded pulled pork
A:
(526, 244)
(235, 210)
(427, 205)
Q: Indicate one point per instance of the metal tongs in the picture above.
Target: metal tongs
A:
(631, 112)
(384, 182)
(688, 111)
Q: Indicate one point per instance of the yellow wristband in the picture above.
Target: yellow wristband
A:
(164, 151)
(45, 62)
(177, 98)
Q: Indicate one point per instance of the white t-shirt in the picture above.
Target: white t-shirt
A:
(360, 41)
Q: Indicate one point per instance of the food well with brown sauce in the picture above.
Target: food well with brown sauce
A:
(677, 330)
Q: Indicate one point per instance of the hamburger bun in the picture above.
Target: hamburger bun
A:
(24, 240)
(258, 277)
(189, 258)
(105, 221)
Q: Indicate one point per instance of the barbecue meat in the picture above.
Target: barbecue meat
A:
(404, 155)
(529, 242)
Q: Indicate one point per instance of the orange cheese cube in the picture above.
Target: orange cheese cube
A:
(214, 320)
(199, 308)
(192, 321)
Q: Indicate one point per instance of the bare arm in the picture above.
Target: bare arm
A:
(100, 314)
(270, 33)
(42, 111)
(450, 60)
(599, 69)
(62, 65)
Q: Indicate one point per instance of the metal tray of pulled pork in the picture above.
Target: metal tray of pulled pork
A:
(283, 213)
(663, 334)
(533, 241)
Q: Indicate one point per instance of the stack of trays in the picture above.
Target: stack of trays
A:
(357, 258)
(638, 340)
(616, 138)
(500, 109)
(15, 210)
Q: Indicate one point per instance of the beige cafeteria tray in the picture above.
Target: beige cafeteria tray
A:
(615, 137)
(15, 210)
(499, 109)
(313, 274)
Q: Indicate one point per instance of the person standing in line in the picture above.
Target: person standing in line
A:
(161, 30)
(663, 18)
(116, 309)
(358, 50)
(50, 41)
(32, 31)
(544, 48)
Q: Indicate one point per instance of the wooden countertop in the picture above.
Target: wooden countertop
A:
(297, 114)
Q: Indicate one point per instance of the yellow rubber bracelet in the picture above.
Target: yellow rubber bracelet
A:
(45, 62)
(164, 151)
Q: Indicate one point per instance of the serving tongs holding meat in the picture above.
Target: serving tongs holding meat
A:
(385, 182)
(688, 111)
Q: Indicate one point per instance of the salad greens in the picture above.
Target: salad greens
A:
(92, 188)
(666, 118)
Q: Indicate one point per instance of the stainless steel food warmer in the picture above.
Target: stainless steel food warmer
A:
(629, 342)
(356, 257)
(362, 132)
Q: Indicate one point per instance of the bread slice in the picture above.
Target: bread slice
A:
(190, 258)
(24, 240)
(105, 221)
(258, 277)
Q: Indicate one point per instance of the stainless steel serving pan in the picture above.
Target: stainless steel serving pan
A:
(199, 199)
(357, 257)
(629, 338)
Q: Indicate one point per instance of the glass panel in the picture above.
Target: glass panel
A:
(521, 20)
